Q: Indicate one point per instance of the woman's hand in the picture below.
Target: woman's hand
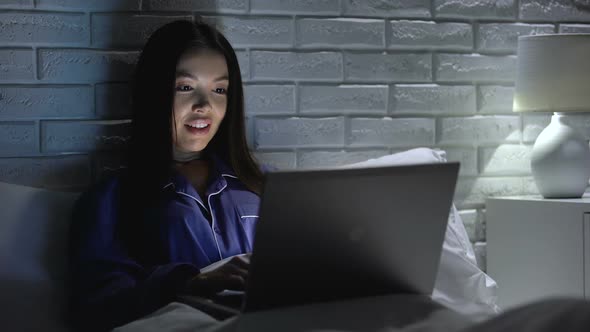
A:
(230, 275)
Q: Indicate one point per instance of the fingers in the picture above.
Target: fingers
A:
(209, 284)
(241, 261)
(235, 282)
(232, 276)
(239, 269)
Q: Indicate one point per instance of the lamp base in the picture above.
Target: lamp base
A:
(560, 161)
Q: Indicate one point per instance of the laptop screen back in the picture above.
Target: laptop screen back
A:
(333, 234)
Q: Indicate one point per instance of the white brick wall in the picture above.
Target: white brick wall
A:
(45, 28)
(255, 31)
(340, 32)
(17, 65)
(343, 99)
(480, 9)
(327, 82)
(432, 99)
(432, 35)
(503, 37)
(84, 65)
(310, 66)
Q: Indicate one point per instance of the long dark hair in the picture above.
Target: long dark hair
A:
(150, 151)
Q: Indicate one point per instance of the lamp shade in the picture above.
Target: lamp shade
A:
(553, 73)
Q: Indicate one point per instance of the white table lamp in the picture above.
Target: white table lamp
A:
(554, 76)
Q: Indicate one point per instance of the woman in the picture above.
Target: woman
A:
(189, 196)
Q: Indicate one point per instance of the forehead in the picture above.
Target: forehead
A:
(202, 63)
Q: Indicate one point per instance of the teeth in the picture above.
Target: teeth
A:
(199, 125)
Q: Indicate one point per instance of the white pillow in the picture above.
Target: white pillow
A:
(460, 283)
(408, 157)
(33, 238)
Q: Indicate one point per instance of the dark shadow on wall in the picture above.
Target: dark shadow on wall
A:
(582, 5)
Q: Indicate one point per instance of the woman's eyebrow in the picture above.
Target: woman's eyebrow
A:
(182, 73)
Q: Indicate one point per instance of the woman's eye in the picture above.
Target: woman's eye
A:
(184, 88)
(220, 91)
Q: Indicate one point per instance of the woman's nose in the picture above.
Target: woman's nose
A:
(200, 101)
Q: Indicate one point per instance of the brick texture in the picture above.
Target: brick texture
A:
(483, 9)
(384, 67)
(245, 31)
(266, 99)
(391, 132)
(467, 156)
(361, 99)
(61, 136)
(432, 99)
(85, 66)
(44, 28)
(327, 159)
(472, 192)
(36, 102)
(295, 132)
(507, 159)
(496, 37)
(552, 11)
(495, 98)
(16, 4)
(276, 160)
(206, 6)
(574, 28)
(348, 33)
(475, 68)
(496, 129)
(16, 65)
(291, 7)
(96, 5)
(387, 8)
(314, 66)
(59, 172)
(18, 138)
(430, 35)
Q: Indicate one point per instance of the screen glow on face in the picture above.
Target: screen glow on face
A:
(200, 98)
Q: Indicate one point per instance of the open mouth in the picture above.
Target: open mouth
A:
(198, 127)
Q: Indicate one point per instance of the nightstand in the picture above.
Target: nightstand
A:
(538, 247)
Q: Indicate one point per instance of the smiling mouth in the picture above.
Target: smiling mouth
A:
(198, 125)
(198, 129)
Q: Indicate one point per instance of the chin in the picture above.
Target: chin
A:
(198, 149)
(193, 147)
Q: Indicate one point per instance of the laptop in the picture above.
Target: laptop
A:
(330, 235)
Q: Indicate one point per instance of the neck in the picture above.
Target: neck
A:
(183, 157)
(196, 172)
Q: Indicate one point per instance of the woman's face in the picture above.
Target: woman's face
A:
(200, 98)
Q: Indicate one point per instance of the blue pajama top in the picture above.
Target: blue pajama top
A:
(185, 233)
